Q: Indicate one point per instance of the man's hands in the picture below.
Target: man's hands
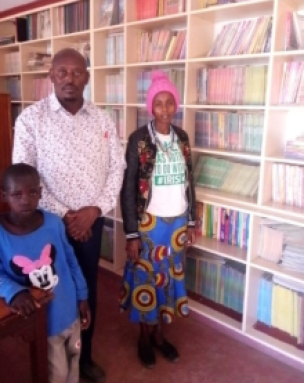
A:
(133, 248)
(85, 314)
(24, 304)
(79, 222)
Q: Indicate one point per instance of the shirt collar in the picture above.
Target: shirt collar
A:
(55, 104)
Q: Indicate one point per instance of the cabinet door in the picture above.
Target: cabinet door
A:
(5, 136)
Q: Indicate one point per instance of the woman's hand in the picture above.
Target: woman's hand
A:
(191, 237)
(133, 248)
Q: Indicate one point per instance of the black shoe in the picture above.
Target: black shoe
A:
(146, 354)
(91, 372)
(166, 348)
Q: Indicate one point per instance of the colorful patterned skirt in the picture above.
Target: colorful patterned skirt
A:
(154, 286)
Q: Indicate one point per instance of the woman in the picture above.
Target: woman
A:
(158, 209)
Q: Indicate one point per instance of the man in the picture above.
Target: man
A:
(74, 146)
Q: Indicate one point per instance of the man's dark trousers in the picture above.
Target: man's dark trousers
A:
(88, 254)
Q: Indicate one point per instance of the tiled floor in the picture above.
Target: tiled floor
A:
(207, 355)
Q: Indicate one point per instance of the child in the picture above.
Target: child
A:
(34, 252)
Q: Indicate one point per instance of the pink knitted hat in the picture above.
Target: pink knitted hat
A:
(160, 83)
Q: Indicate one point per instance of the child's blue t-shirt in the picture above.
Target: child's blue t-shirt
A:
(43, 259)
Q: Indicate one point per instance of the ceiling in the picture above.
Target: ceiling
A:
(7, 4)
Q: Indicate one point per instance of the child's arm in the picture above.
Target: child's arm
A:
(15, 295)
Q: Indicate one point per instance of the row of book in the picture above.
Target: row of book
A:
(292, 85)
(117, 116)
(216, 279)
(107, 241)
(243, 37)
(12, 62)
(176, 75)
(227, 176)
(235, 131)
(74, 17)
(287, 184)
(294, 30)
(42, 87)
(232, 85)
(161, 45)
(281, 306)
(38, 25)
(115, 88)
(143, 118)
(114, 54)
(16, 110)
(210, 3)
(223, 224)
(13, 86)
(112, 12)
(282, 244)
(155, 8)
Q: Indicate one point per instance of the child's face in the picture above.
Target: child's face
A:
(163, 107)
(22, 195)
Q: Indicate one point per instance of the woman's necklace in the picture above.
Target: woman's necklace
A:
(164, 148)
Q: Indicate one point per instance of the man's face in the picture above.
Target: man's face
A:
(69, 76)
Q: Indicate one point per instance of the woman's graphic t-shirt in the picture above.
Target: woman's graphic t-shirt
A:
(168, 180)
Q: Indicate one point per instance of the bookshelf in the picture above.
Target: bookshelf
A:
(203, 25)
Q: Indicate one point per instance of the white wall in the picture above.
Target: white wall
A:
(7, 4)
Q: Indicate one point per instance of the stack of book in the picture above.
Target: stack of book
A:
(243, 37)
(161, 45)
(209, 3)
(239, 131)
(154, 8)
(216, 279)
(227, 176)
(223, 224)
(292, 85)
(4, 40)
(295, 148)
(176, 75)
(112, 12)
(39, 61)
(232, 85)
(287, 184)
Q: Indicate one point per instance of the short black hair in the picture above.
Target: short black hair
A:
(16, 171)
(68, 52)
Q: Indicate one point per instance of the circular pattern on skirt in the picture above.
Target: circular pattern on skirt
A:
(147, 223)
(124, 292)
(178, 272)
(181, 306)
(159, 253)
(143, 265)
(178, 239)
(144, 298)
(167, 313)
(161, 279)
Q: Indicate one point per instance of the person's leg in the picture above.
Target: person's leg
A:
(73, 346)
(88, 254)
(57, 361)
